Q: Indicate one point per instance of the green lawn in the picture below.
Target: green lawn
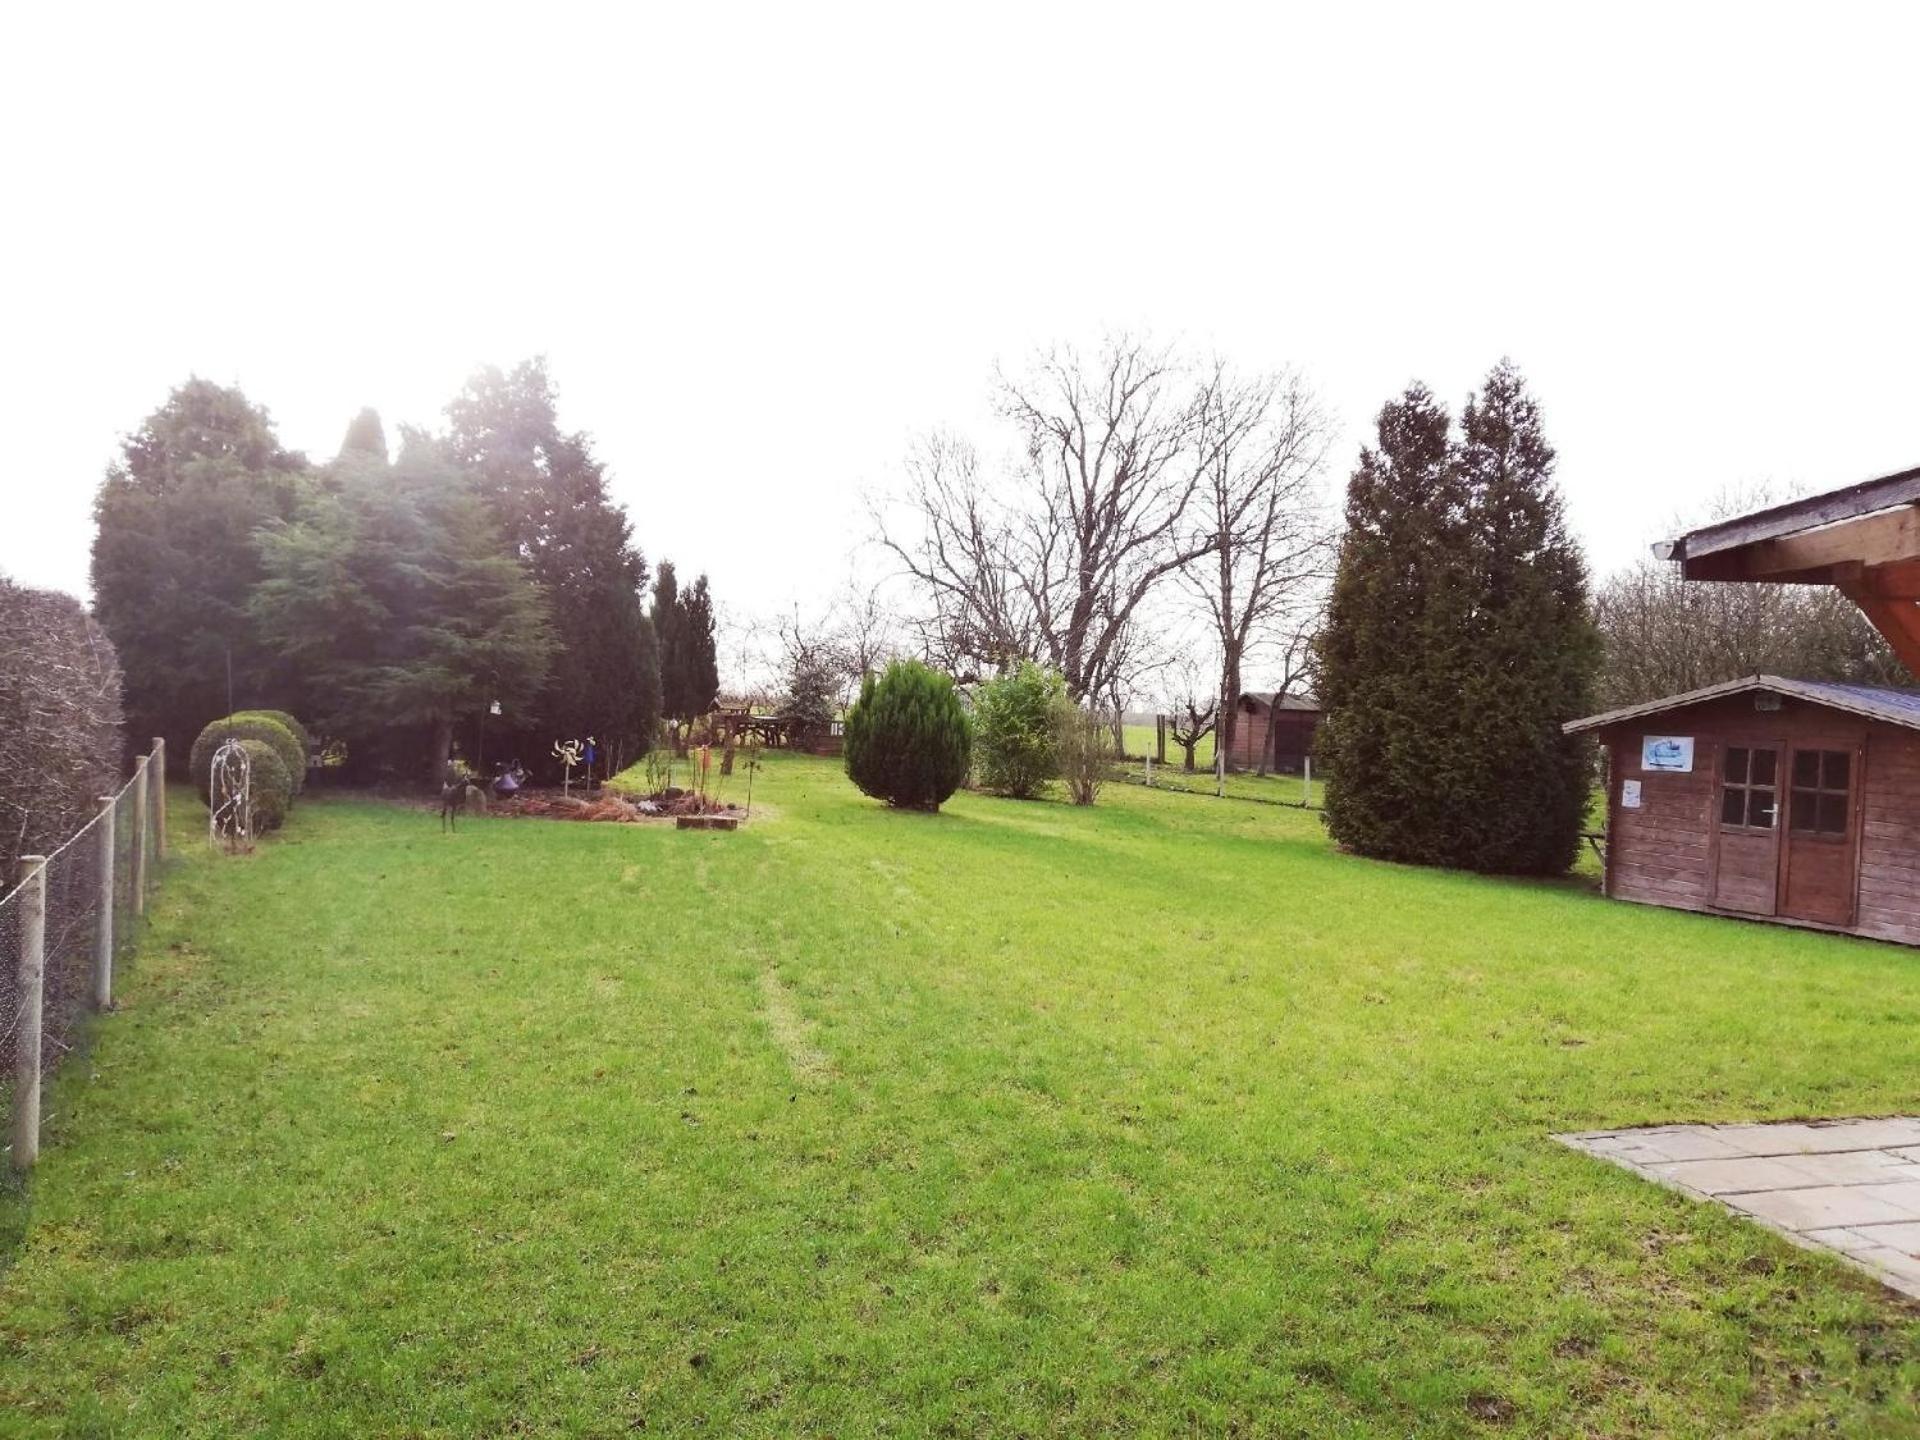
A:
(1158, 1118)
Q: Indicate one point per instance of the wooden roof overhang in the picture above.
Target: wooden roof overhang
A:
(1864, 540)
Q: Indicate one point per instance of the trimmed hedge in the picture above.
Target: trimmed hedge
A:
(268, 787)
(298, 730)
(292, 757)
(908, 741)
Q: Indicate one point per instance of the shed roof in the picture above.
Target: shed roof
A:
(1875, 702)
(1280, 700)
(1796, 516)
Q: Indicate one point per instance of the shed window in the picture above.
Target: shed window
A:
(1748, 796)
(1820, 779)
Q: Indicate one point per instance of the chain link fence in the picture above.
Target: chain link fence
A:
(65, 921)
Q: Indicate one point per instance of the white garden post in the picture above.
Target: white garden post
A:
(103, 931)
(1306, 781)
(26, 1051)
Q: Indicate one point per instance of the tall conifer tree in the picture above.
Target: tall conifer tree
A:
(1458, 641)
(1536, 648)
(549, 494)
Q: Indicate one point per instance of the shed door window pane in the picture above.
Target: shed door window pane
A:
(1819, 797)
(1747, 794)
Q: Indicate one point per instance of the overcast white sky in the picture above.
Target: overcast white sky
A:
(764, 248)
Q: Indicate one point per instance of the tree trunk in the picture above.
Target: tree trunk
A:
(1189, 746)
(442, 747)
(1229, 721)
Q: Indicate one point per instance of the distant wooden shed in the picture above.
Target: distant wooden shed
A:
(1788, 800)
(1274, 731)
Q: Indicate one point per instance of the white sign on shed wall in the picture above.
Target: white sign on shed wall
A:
(1666, 752)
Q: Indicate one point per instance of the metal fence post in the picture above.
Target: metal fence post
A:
(103, 931)
(158, 771)
(26, 1053)
(1306, 781)
(140, 837)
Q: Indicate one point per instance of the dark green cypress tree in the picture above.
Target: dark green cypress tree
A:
(669, 641)
(908, 739)
(550, 496)
(1458, 640)
(1390, 640)
(1535, 651)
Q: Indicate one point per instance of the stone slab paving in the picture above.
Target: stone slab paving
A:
(1848, 1186)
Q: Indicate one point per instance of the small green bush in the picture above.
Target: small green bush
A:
(293, 759)
(1016, 724)
(908, 741)
(268, 788)
(293, 725)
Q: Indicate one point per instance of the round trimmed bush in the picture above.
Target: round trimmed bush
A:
(298, 730)
(293, 759)
(908, 741)
(268, 788)
(1016, 727)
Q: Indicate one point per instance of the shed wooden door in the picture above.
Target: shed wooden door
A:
(1817, 870)
(1746, 867)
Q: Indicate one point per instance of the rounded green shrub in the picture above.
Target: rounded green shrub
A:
(293, 758)
(298, 731)
(908, 740)
(268, 788)
(1016, 727)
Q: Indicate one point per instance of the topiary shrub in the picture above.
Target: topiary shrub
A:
(1016, 727)
(268, 787)
(292, 758)
(293, 725)
(908, 741)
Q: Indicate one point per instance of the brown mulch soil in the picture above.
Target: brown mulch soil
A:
(609, 805)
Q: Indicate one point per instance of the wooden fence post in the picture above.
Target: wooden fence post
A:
(103, 930)
(140, 837)
(26, 1034)
(158, 769)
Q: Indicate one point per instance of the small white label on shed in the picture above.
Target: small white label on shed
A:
(1629, 794)
(1666, 752)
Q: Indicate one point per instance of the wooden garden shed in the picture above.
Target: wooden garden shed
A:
(1274, 731)
(1788, 800)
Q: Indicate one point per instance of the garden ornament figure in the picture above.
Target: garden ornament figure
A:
(230, 791)
(568, 753)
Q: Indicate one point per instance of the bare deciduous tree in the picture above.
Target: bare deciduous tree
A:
(1265, 442)
(1193, 705)
(1664, 635)
(1056, 565)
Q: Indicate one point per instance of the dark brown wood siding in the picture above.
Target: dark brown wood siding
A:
(1291, 738)
(1674, 851)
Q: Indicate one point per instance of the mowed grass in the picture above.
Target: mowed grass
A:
(1157, 1118)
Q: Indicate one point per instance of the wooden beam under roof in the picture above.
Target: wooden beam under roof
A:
(1864, 540)
(1813, 557)
(1796, 516)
